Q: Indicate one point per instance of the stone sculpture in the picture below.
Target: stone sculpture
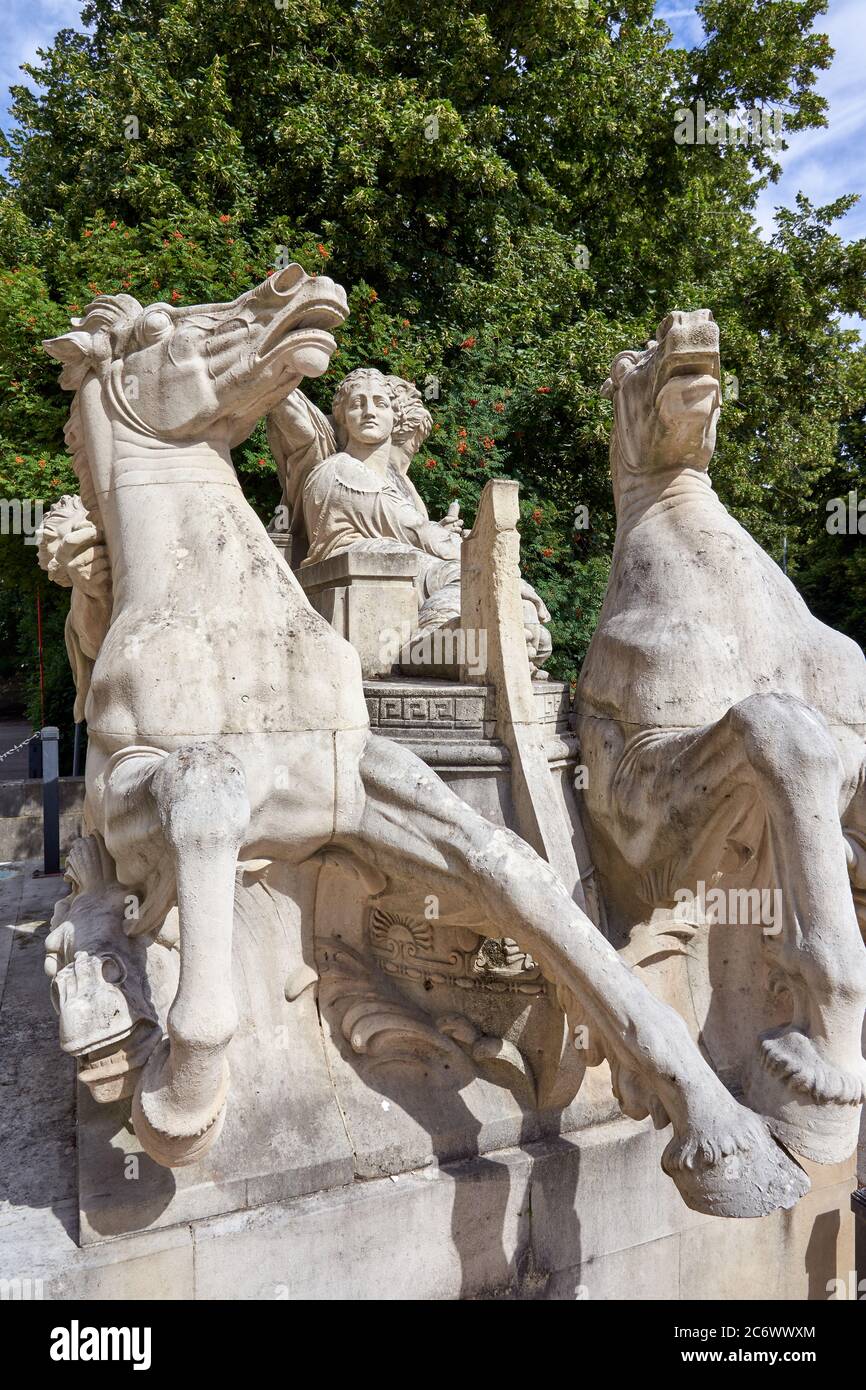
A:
(73, 554)
(346, 485)
(228, 729)
(722, 727)
(110, 989)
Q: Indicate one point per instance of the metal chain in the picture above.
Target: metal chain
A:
(19, 746)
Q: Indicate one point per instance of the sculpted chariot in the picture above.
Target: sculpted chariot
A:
(347, 490)
(229, 740)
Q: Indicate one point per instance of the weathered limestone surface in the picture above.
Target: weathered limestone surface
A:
(240, 748)
(388, 1112)
(492, 604)
(589, 1217)
(723, 731)
(383, 990)
(370, 599)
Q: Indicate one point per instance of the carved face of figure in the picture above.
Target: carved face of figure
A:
(364, 410)
(667, 398)
(209, 370)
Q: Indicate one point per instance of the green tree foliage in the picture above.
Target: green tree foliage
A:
(499, 187)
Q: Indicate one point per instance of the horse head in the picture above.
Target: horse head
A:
(101, 981)
(206, 370)
(666, 400)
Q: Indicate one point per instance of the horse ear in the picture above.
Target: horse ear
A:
(622, 364)
(75, 351)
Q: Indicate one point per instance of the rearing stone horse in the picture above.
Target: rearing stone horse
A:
(723, 729)
(227, 723)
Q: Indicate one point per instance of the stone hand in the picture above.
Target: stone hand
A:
(452, 520)
(90, 570)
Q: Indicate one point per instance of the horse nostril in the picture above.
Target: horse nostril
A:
(112, 972)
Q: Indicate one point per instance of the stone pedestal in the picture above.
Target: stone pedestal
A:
(477, 1158)
(370, 599)
(318, 1108)
(589, 1216)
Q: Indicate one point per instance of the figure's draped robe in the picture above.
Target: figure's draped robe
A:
(349, 506)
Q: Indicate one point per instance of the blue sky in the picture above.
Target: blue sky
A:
(823, 163)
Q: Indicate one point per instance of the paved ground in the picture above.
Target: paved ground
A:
(38, 1183)
(13, 731)
(37, 1100)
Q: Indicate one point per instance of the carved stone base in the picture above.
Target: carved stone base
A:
(370, 599)
(283, 1134)
(588, 1217)
(422, 1039)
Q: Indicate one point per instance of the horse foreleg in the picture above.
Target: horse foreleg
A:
(721, 1156)
(200, 798)
(768, 768)
(810, 1074)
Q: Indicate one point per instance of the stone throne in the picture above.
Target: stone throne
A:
(423, 1002)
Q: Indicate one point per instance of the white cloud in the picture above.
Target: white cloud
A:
(824, 163)
(27, 26)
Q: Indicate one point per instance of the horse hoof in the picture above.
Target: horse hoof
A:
(810, 1106)
(754, 1180)
(172, 1135)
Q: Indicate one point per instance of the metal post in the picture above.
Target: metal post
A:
(34, 758)
(51, 800)
(858, 1206)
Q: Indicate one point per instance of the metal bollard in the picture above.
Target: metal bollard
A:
(34, 758)
(50, 800)
(858, 1206)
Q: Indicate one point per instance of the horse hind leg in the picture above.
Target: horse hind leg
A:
(200, 796)
(808, 1076)
(721, 1156)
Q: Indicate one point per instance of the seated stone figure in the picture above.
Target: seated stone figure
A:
(347, 489)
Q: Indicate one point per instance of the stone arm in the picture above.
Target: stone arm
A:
(73, 553)
(300, 437)
(442, 541)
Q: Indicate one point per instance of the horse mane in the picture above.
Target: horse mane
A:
(73, 433)
(116, 315)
